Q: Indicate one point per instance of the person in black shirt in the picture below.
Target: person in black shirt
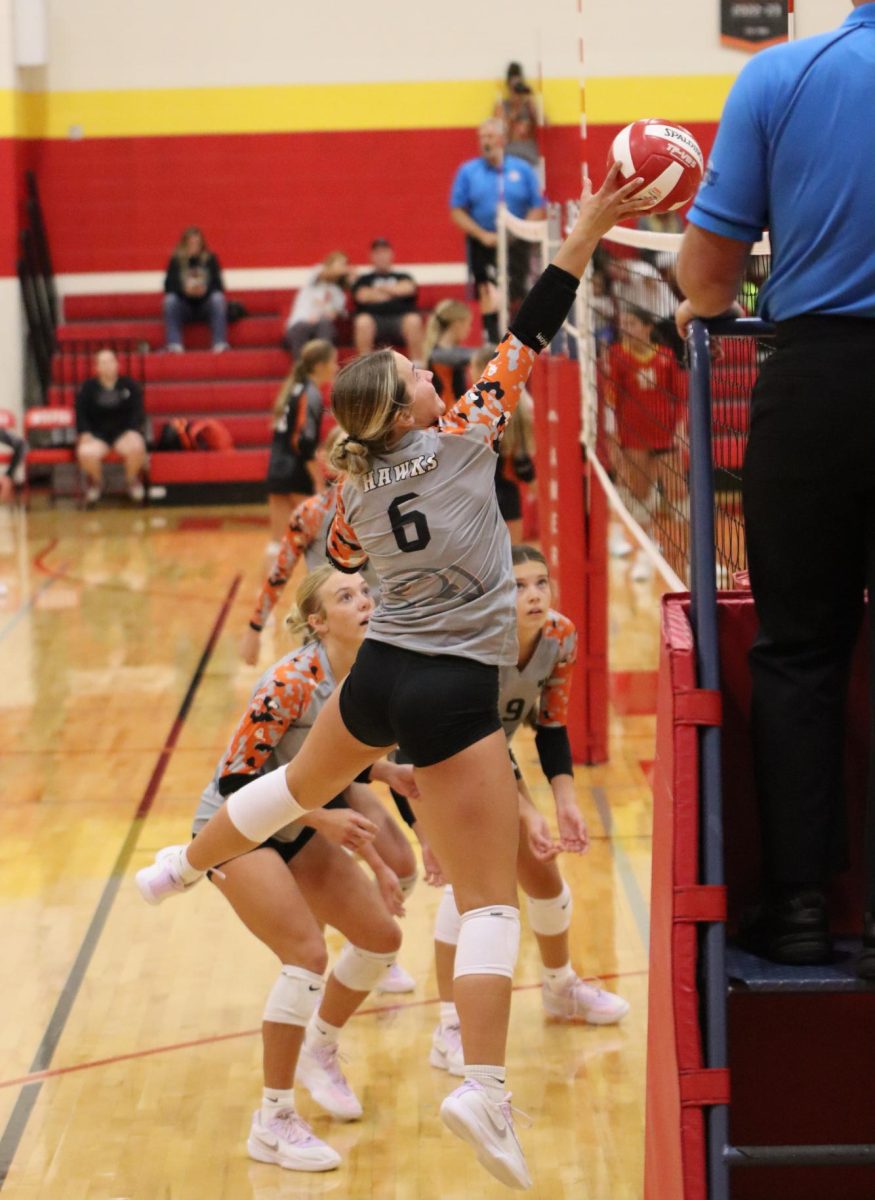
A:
(17, 447)
(194, 291)
(110, 415)
(385, 305)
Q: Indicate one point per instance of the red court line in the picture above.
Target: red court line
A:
(63, 572)
(213, 1039)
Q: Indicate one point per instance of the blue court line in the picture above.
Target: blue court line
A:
(638, 904)
(25, 608)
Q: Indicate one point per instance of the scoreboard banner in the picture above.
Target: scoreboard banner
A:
(753, 24)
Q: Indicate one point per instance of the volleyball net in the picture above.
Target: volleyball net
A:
(627, 482)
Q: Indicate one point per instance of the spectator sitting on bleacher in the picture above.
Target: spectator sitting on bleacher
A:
(385, 305)
(110, 415)
(292, 470)
(318, 304)
(445, 356)
(194, 291)
(17, 445)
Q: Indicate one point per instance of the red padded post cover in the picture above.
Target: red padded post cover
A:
(675, 1132)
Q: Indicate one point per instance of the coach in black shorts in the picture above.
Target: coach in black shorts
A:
(385, 305)
(795, 153)
(480, 184)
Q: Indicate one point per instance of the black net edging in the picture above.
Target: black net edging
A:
(636, 386)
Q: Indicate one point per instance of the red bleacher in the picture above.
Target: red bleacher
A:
(237, 387)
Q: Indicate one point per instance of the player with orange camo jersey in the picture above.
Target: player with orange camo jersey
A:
(301, 877)
(538, 686)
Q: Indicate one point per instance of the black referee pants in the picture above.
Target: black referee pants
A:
(809, 508)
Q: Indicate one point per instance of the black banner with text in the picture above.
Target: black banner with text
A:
(753, 24)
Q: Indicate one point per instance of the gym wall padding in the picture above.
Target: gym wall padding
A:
(801, 1067)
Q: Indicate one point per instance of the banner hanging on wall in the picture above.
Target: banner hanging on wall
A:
(753, 24)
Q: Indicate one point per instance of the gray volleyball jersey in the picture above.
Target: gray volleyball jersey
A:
(544, 682)
(281, 711)
(427, 518)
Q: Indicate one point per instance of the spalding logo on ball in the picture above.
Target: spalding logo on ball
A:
(667, 157)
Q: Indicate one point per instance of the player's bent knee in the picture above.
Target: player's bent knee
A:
(489, 941)
(263, 806)
(361, 970)
(448, 922)
(294, 997)
(551, 917)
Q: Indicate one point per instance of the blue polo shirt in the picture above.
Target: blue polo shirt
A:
(478, 185)
(795, 154)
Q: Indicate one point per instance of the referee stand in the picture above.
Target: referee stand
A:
(750, 1064)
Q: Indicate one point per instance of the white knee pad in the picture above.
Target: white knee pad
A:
(261, 807)
(294, 997)
(447, 922)
(407, 884)
(549, 917)
(361, 970)
(489, 941)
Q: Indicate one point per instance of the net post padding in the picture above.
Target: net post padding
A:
(570, 532)
(674, 1135)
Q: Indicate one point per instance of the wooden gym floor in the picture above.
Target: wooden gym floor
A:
(129, 1035)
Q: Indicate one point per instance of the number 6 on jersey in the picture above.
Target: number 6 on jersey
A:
(400, 522)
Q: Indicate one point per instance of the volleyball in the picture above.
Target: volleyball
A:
(666, 156)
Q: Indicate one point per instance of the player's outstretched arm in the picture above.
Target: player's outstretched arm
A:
(598, 213)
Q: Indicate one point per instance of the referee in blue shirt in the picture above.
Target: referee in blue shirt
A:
(795, 153)
(479, 185)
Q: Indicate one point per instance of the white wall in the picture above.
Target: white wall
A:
(202, 43)
(108, 44)
(677, 37)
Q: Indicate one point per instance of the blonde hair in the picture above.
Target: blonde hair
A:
(313, 354)
(308, 603)
(367, 395)
(445, 313)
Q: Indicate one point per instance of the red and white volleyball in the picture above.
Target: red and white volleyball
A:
(666, 156)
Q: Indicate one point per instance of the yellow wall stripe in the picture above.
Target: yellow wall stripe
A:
(333, 107)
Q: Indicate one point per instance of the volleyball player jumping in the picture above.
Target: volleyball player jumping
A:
(419, 501)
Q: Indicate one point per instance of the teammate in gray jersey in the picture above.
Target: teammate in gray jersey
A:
(284, 889)
(419, 502)
(537, 685)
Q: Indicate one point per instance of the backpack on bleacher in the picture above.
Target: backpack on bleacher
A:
(179, 433)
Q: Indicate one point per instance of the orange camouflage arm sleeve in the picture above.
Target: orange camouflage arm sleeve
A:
(486, 408)
(553, 709)
(341, 545)
(302, 529)
(277, 704)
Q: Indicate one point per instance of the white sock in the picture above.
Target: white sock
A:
(449, 1016)
(492, 1078)
(187, 873)
(558, 978)
(320, 1033)
(274, 1099)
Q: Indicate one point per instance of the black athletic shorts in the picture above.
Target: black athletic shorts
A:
(432, 705)
(288, 850)
(483, 264)
(508, 495)
(287, 474)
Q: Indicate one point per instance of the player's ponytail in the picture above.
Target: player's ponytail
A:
(308, 603)
(368, 394)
